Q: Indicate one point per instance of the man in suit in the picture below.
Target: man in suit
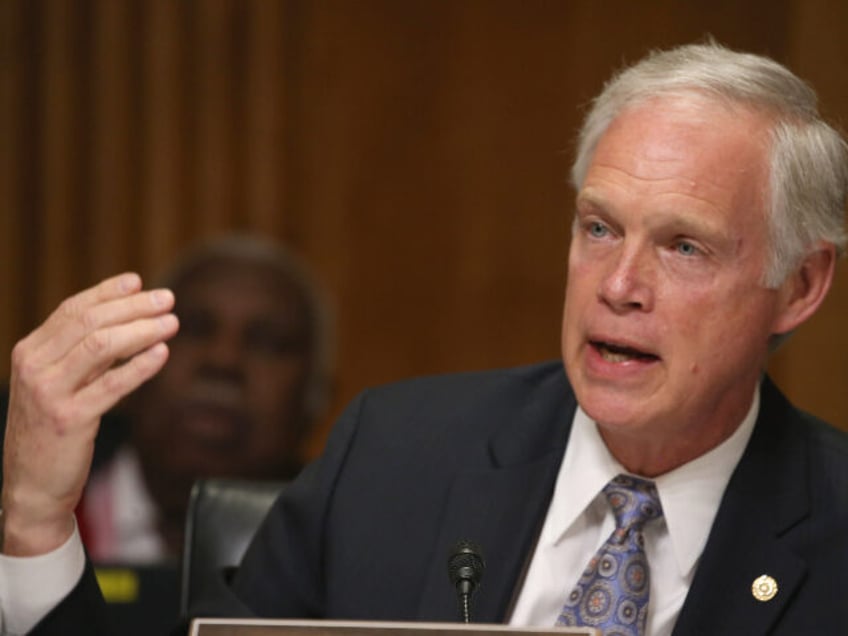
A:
(709, 214)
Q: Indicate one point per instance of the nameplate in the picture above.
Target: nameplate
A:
(261, 627)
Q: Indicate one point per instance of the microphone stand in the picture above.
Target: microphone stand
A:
(465, 568)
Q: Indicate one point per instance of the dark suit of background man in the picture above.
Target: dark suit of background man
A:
(709, 215)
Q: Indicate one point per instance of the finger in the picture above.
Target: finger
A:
(108, 388)
(88, 322)
(74, 307)
(100, 350)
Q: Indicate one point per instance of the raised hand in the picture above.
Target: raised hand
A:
(97, 347)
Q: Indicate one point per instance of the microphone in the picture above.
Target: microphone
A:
(465, 569)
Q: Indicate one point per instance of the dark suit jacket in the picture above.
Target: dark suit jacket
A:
(366, 530)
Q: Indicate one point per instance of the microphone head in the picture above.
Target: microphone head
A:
(466, 565)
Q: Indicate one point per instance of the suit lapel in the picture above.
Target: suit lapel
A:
(766, 496)
(502, 507)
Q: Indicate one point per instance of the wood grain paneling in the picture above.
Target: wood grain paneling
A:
(416, 153)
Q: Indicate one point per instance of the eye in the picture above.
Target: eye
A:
(684, 248)
(196, 325)
(273, 340)
(597, 229)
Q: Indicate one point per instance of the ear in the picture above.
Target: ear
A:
(804, 290)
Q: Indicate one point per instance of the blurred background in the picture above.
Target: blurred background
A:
(414, 152)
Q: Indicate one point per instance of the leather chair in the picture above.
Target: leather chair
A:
(223, 515)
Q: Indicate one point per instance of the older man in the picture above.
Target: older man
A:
(709, 217)
(247, 376)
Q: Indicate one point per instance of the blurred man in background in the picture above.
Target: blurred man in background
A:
(248, 375)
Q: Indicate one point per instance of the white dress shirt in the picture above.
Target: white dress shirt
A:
(31, 586)
(122, 516)
(579, 520)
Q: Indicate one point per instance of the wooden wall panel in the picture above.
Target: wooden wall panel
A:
(112, 162)
(415, 152)
(61, 155)
(162, 222)
(263, 118)
(12, 149)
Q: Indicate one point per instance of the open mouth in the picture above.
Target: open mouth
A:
(617, 353)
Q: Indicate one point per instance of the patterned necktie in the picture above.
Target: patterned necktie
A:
(612, 593)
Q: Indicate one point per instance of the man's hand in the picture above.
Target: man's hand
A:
(97, 347)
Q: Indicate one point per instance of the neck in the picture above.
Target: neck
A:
(656, 452)
(656, 457)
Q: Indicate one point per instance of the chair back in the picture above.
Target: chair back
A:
(223, 515)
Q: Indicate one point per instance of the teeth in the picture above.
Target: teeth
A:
(615, 353)
(612, 356)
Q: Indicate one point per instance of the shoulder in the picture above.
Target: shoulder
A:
(793, 434)
(457, 393)
(786, 427)
(527, 376)
(534, 402)
(826, 438)
(828, 449)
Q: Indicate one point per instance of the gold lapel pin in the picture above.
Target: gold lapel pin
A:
(764, 588)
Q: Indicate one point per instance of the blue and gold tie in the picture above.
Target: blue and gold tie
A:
(612, 593)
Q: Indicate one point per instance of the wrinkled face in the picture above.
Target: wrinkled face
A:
(230, 400)
(666, 323)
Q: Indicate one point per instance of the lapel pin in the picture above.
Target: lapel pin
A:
(764, 588)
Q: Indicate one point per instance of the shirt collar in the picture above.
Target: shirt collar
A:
(690, 494)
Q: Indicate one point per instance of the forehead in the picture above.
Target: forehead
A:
(241, 288)
(684, 150)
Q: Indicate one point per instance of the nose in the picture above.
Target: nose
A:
(628, 285)
(223, 355)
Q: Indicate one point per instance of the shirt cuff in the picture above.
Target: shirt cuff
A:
(32, 586)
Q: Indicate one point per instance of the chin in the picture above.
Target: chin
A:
(613, 411)
(616, 421)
